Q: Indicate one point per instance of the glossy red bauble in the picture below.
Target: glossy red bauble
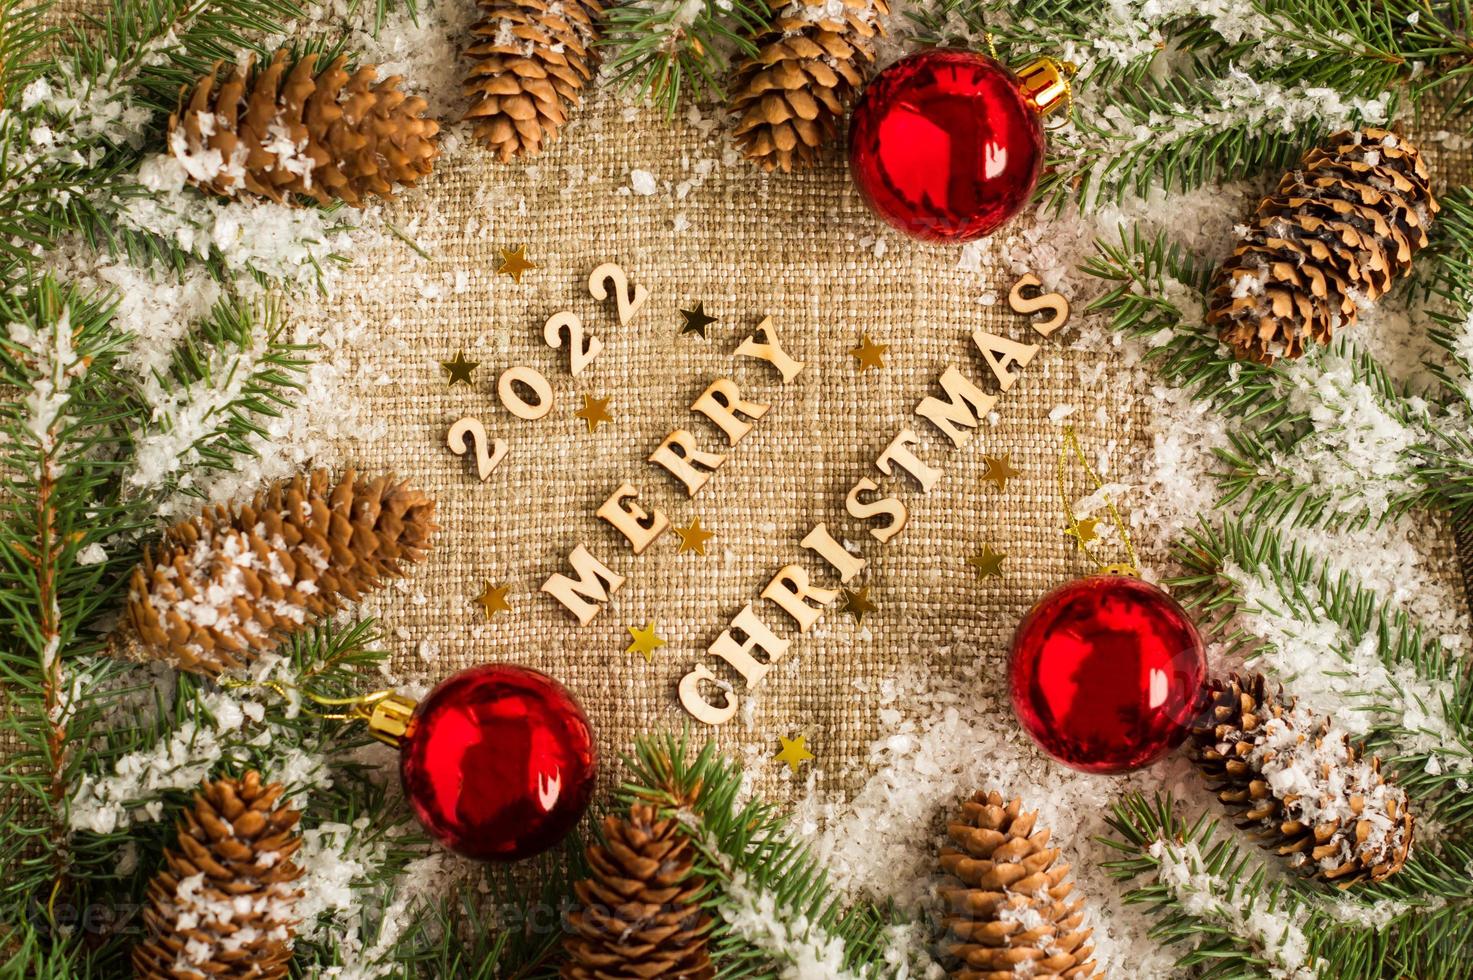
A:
(1106, 673)
(944, 146)
(498, 762)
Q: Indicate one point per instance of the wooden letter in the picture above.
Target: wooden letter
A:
(512, 399)
(583, 597)
(701, 709)
(755, 636)
(686, 463)
(721, 402)
(819, 540)
(789, 588)
(991, 345)
(770, 349)
(898, 452)
(631, 520)
(965, 405)
(470, 427)
(886, 506)
(1034, 304)
(582, 349)
(628, 300)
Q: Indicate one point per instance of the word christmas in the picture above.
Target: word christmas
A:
(749, 646)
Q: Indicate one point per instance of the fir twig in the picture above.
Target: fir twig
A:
(665, 48)
(771, 897)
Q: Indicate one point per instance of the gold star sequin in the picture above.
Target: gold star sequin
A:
(857, 603)
(646, 641)
(794, 752)
(869, 354)
(1084, 531)
(697, 320)
(493, 600)
(988, 563)
(999, 470)
(694, 538)
(594, 411)
(460, 369)
(514, 262)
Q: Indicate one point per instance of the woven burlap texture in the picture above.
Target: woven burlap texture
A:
(786, 246)
(797, 248)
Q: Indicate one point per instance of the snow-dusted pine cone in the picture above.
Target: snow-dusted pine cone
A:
(234, 581)
(790, 97)
(1300, 786)
(290, 130)
(1007, 913)
(1337, 233)
(221, 907)
(529, 62)
(639, 913)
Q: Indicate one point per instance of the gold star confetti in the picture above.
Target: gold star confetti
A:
(514, 262)
(493, 600)
(988, 563)
(794, 753)
(857, 603)
(1084, 531)
(869, 354)
(999, 470)
(460, 369)
(594, 411)
(646, 641)
(694, 538)
(697, 320)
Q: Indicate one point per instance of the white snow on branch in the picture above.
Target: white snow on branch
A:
(55, 363)
(295, 245)
(1330, 670)
(1276, 933)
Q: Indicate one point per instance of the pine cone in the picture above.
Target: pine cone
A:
(232, 582)
(1008, 915)
(1300, 785)
(640, 914)
(531, 61)
(221, 905)
(1339, 231)
(290, 130)
(790, 97)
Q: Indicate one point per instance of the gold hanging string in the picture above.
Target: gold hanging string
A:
(1072, 447)
(360, 706)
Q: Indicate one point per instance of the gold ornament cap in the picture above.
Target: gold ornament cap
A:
(1045, 84)
(388, 717)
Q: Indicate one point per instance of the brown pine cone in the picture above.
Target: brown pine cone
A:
(290, 131)
(790, 98)
(639, 914)
(1300, 786)
(1006, 911)
(531, 59)
(234, 581)
(1338, 233)
(221, 906)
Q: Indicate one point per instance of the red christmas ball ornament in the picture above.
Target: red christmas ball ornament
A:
(946, 144)
(1107, 673)
(498, 762)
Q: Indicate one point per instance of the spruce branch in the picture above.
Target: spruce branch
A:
(1418, 702)
(663, 48)
(771, 897)
(1233, 917)
(229, 374)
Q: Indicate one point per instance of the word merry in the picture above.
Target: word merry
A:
(682, 456)
(749, 646)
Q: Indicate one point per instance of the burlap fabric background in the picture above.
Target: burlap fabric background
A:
(792, 247)
(797, 247)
